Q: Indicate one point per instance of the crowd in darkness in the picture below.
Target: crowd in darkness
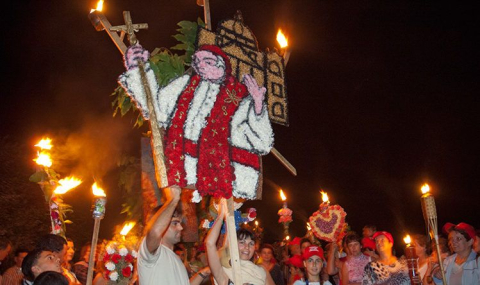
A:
(163, 259)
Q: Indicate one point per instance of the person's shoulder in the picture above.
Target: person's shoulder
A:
(299, 282)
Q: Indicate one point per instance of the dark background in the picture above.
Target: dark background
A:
(381, 100)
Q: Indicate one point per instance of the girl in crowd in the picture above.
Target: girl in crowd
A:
(222, 271)
(313, 262)
(433, 260)
(350, 267)
(423, 251)
(268, 262)
(462, 267)
(387, 269)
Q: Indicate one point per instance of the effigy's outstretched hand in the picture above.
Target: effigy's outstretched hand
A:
(134, 54)
(257, 92)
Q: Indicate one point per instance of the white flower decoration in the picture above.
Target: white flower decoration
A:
(110, 249)
(134, 253)
(123, 251)
(130, 265)
(113, 276)
(196, 197)
(110, 265)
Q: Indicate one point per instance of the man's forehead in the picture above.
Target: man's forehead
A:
(45, 253)
(204, 54)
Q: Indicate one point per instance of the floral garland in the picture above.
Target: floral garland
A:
(285, 215)
(118, 260)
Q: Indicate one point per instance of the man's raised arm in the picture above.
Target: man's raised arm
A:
(160, 221)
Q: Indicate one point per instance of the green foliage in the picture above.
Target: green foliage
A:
(165, 64)
(129, 182)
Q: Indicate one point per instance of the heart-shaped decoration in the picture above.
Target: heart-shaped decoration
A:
(328, 223)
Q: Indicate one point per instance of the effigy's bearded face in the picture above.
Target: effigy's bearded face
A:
(209, 66)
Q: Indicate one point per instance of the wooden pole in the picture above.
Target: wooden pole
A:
(233, 242)
(284, 161)
(93, 248)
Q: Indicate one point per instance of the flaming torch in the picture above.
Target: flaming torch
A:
(325, 201)
(98, 214)
(285, 214)
(412, 261)
(430, 215)
(283, 42)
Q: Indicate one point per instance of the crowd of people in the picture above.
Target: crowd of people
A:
(163, 259)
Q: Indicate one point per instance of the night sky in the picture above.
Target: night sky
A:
(381, 100)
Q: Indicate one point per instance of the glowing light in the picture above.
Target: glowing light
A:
(281, 39)
(407, 239)
(67, 184)
(425, 188)
(97, 191)
(99, 6)
(127, 227)
(287, 238)
(324, 196)
(43, 159)
(308, 226)
(44, 144)
(282, 195)
(256, 223)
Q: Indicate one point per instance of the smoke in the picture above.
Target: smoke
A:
(95, 149)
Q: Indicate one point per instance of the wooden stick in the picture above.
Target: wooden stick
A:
(93, 248)
(206, 12)
(233, 242)
(284, 161)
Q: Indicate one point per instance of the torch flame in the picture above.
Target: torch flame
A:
(407, 239)
(324, 196)
(256, 223)
(425, 188)
(287, 238)
(44, 143)
(282, 196)
(67, 184)
(127, 227)
(97, 191)
(308, 226)
(281, 39)
(43, 159)
(99, 6)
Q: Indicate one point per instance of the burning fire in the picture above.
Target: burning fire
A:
(324, 197)
(127, 227)
(281, 39)
(282, 196)
(407, 239)
(287, 238)
(425, 188)
(97, 191)
(44, 144)
(43, 159)
(256, 223)
(99, 6)
(308, 226)
(67, 184)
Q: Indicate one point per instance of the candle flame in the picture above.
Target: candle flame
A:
(97, 191)
(287, 237)
(282, 195)
(281, 39)
(256, 223)
(67, 184)
(43, 159)
(324, 196)
(425, 188)
(127, 227)
(407, 239)
(44, 144)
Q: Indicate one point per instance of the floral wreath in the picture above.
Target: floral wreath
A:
(118, 260)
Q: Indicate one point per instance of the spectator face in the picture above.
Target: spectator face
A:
(266, 254)
(459, 242)
(313, 265)
(383, 244)
(70, 251)
(46, 262)
(295, 249)
(304, 245)
(62, 254)
(367, 232)
(476, 245)
(420, 250)
(354, 248)
(173, 235)
(246, 248)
